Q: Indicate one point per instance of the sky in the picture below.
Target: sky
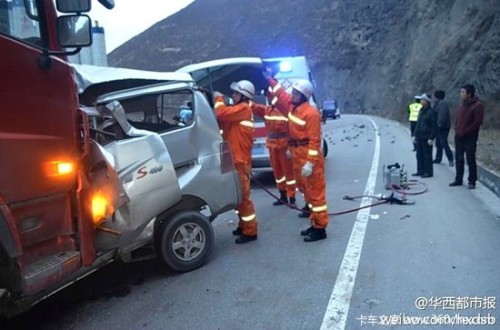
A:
(131, 17)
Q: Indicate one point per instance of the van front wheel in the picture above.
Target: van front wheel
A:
(185, 241)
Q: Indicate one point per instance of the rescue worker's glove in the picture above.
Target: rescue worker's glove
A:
(307, 169)
(217, 93)
(288, 154)
(430, 142)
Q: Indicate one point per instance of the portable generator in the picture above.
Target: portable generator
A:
(395, 176)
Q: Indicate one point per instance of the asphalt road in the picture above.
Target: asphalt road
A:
(376, 266)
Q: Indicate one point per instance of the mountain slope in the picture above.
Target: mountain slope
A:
(373, 56)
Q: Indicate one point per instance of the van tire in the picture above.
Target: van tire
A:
(185, 241)
(325, 148)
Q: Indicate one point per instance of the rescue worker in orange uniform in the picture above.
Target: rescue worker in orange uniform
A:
(236, 123)
(277, 143)
(304, 126)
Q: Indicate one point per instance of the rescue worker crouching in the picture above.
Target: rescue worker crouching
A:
(304, 126)
(277, 143)
(236, 123)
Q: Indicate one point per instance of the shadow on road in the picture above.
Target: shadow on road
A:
(113, 281)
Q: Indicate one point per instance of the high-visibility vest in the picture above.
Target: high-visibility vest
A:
(413, 110)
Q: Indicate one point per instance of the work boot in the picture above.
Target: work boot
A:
(455, 184)
(452, 163)
(245, 239)
(316, 234)
(283, 199)
(307, 231)
(306, 211)
(238, 231)
(471, 185)
(292, 201)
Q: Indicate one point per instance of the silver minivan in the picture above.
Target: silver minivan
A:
(171, 106)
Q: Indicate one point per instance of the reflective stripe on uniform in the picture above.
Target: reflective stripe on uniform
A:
(274, 89)
(319, 208)
(296, 120)
(218, 104)
(249, 217)
(221, 132)
(274, 100)
(280, 180)
(278, 118)
(291, 182)
(246, 123)
(312, 152)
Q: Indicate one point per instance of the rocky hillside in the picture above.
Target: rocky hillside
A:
(373, 56)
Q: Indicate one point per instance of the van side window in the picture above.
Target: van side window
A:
(176, 107)
(160, 112)
(19, 19)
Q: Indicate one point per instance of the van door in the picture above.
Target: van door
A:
(219, 74)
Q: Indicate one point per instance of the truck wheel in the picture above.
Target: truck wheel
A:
(325, 148)
(185, 241)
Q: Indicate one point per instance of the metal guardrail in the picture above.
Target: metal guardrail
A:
(489, 178)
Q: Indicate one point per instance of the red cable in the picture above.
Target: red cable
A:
(296, 208)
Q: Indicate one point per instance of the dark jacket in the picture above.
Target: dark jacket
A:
(426, 124)
(469, 118)
(443, 114)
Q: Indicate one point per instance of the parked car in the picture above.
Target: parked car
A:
(217, 75)
(329, 109)
(171, 107)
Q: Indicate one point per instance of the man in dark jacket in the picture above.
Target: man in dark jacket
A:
(423, 137)
(467, 124)
(443, 124)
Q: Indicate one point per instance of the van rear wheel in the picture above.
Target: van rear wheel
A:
(185, 241)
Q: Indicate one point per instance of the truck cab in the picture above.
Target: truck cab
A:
(75, 196)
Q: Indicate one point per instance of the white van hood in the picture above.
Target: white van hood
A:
(93, 81)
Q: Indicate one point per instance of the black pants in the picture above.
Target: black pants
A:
(413, 124)
(442, 143)
(466, 145)
(424, 158)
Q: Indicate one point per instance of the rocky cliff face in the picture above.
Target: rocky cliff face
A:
(373, 56)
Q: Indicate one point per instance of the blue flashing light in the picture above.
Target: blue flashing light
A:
(285, 66)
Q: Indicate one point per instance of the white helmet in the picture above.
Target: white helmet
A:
(244, 87)
(304, 87)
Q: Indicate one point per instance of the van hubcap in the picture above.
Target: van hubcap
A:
(188, 241)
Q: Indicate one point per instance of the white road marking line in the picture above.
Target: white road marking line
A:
(340, 300)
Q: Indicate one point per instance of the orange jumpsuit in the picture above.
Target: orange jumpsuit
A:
(277, 143)
(237, 125)
(304, 127)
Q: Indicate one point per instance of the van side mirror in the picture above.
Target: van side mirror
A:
(74, 31)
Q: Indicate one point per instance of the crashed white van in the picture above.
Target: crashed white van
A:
(124, 105)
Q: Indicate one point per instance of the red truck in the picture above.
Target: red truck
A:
(57, 185)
